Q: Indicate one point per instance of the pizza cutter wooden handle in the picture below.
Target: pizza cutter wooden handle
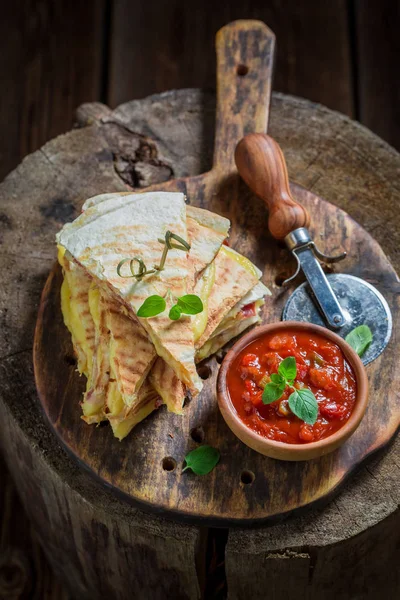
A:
(261, 164)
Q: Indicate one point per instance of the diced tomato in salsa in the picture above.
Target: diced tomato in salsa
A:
(250, 360)
(302, 371)
(321, 367)
(282, 342)
(332, 410)
(306, 433)
(272, 360)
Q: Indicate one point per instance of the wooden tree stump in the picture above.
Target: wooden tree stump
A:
(102, 547)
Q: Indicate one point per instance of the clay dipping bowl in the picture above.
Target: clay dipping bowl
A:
(282, 450)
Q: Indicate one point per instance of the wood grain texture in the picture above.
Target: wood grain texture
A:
(336, 158)
(113, 551)
(378, 89)
(24, 571)
(317, 566)
(50, 62)
(313, 59)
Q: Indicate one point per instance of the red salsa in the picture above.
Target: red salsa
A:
(321, 367)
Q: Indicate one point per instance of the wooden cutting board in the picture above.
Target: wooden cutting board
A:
(245, 488)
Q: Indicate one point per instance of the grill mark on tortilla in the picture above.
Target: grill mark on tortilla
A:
(227, 293)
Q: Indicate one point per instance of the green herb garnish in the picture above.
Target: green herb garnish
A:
(288, 369)
(190, 304)
(175, 313)
(302, 402)
(360, 339)
(273, 391)
(304, 405)
(152, 306)
(187, 305)
(202, 460)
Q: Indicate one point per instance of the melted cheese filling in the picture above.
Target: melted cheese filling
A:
(72, 319)
(199, 322)
(122, 428)
(242, 260)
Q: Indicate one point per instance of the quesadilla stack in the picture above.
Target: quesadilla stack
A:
(135, 364)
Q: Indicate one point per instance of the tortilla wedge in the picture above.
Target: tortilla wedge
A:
(123, 420)
(105, 234)
(109, 214)
(236, 321)
(234, 277)
(168, 386)
(127, 380)
(206, 230)
(75, 308)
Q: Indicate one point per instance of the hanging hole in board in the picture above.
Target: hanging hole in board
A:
(247, 477)
(219, 357)
(70, 360)
(242, 70)
(168, 463)
(204, 371)
(197, 434)
(280, 278)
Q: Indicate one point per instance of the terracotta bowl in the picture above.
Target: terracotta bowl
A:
(282, 450)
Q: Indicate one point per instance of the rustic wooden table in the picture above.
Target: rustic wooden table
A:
(99, 545)
(58, 55)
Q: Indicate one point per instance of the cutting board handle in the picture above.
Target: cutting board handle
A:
(261, 164)
(245, 56)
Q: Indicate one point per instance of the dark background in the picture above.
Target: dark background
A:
(56, 54)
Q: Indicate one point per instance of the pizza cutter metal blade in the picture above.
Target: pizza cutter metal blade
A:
(340, 302)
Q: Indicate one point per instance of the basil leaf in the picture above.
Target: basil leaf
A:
(304, 405)
(359, 339)
(288, 368)
(152, 306)
(202, 460)
(272, 392)
(275, 378)
(175, 313)
(190, 304)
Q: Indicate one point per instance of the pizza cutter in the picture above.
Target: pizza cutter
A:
(338, 301)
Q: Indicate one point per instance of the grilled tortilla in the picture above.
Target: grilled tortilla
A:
(75, 308)
(243, 315)
(109, 214)
(120, 347)
(234, 277)
(206, 230)
(168, 386)
(126, 378)
(106, 233)
(123, 421)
